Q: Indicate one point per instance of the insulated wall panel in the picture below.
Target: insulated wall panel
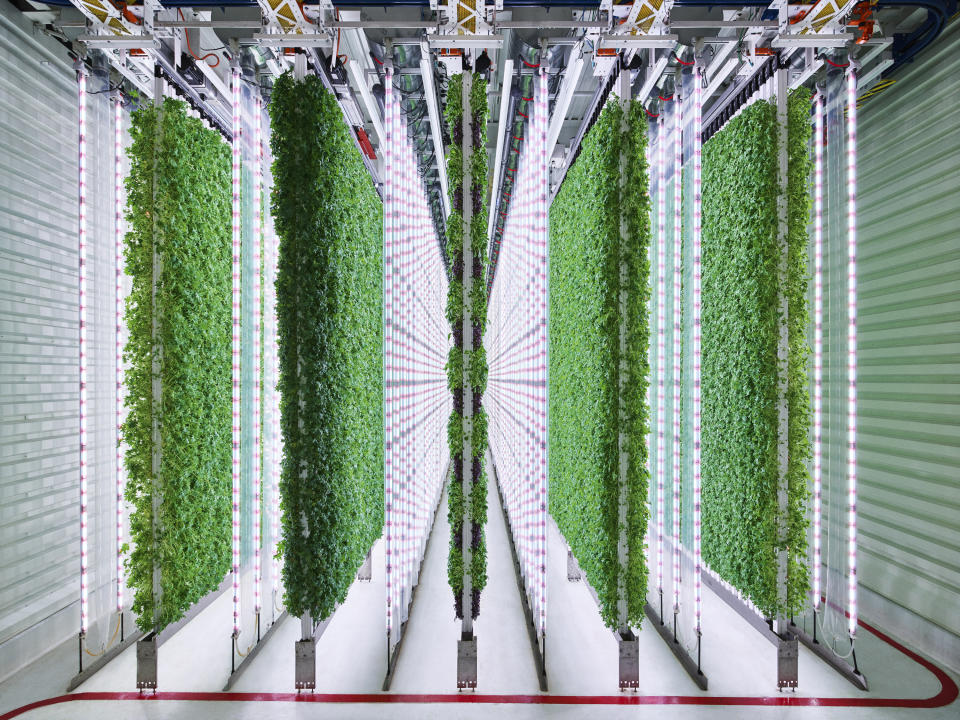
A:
(39, 392)
(908, 340)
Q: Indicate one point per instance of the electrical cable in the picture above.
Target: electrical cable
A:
(186, 34)
(109, 644)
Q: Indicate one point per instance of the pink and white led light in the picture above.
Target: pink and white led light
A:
(817, 345)
(661, 251)
(235, 545)
(118, 330)
(417, 402)
(697, 241)
(257, 235)
(677, 282)
(852, 349)
(516, 343)
(82, 321)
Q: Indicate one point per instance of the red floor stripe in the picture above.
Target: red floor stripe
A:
(948, 694)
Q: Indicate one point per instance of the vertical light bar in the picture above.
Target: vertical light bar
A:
(542, 189)
(817, 344)
(235, 552)
(661, 231)
(82, 321)
(257, 231)
(852, 347)
(118, 328)
(388, 340)
(697, 167)
(661, 346)
(677, 281)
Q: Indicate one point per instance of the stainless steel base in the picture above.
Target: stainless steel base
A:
(538, 641)
(467, 663)
(629, 660)
(689, 664)
(842, 666)
(788, 655)
(573, 570)
(305, 669)
(365, 573)
(147, 663)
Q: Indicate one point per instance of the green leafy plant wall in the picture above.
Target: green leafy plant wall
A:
(799, 203)
(329, 306)
(178, 212)
(740, 330)
(586, 254)
(463, 247)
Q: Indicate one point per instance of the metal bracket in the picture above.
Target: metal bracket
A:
(811, 40)
(305, 668)
(248, 659)
(692, 667)
(573, 569)
(467, 662)
(147, 663)
(788, 655)
(632, 42)
(365, 573)
(538, 644)
(851, 673)
(629, 647)
(120, 42)
(465, 41)
(301, 40)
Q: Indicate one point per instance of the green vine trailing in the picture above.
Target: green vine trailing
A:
(329, 307)
(178, 212)
(586, 254)
(472, 363)
(740, 370)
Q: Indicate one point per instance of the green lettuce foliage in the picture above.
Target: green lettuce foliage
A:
(586, 253)
(635, 207)
(179, 209)
(470, 255)
(329, 308)
(799, 203)
(740, 369)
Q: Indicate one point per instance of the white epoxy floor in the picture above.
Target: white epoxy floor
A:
(581, 659)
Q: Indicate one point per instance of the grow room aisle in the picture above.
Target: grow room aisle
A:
(581, 652)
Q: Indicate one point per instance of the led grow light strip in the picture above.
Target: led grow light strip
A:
(661, 232)
(697, 168)
(235, 546)
(543, 186)
(118, 329)
(257, 231)
(817, 344)
(677, 280)
(516, 343)
(852, 348)
(389, 189)
(416, 335)
(82, 321)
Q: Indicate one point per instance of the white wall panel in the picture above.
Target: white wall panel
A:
(39, 495)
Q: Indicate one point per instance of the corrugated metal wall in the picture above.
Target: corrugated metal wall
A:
(909, 337)
(39, 452)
